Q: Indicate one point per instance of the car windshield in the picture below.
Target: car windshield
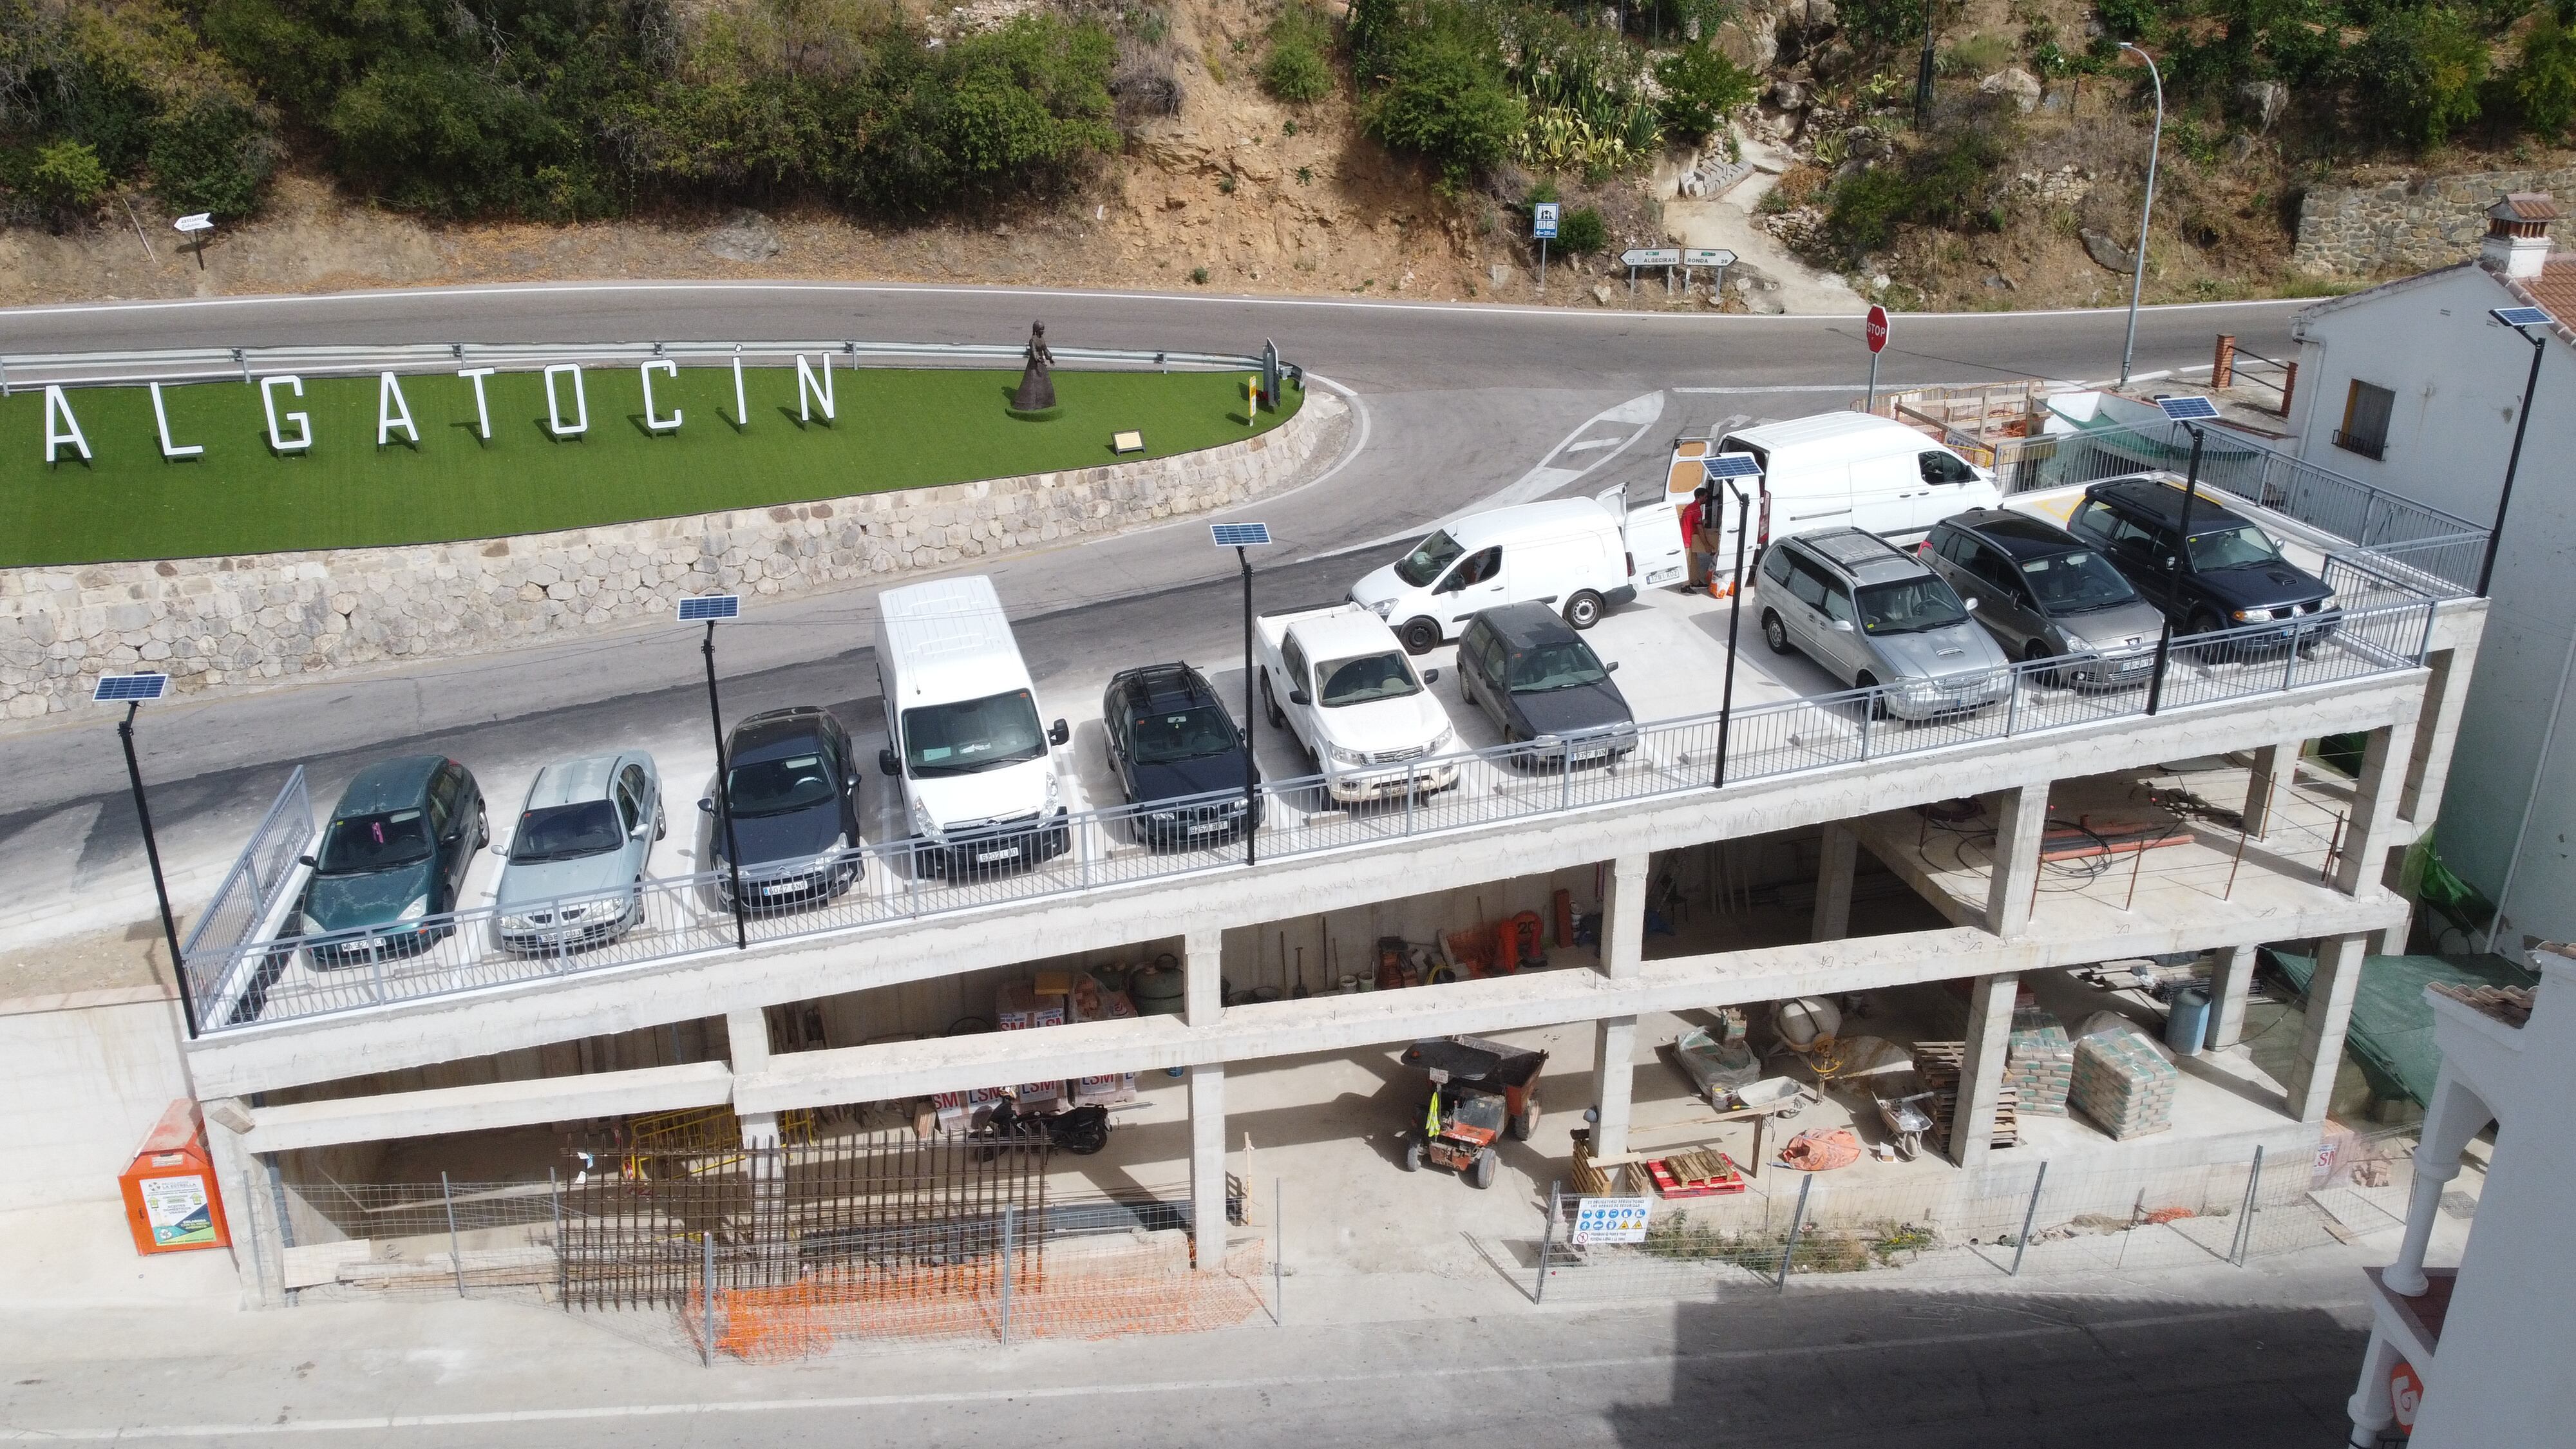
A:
(1909, 607)
(2072, 583)
(1368, 677)
(775, 787)
(1188, 734)
(973, 735)
(1565, 665)
(1428, 558)
(365, 844)
(567, 832)
(2232, 548)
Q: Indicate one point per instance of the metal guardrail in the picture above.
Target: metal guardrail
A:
(664, 919)
(98, 369)
(2445, 549)
(251, 888)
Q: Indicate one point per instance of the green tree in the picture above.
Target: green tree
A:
(2417, 73)
(1700, 87)
(67, 175)
(1446, 99)
(2544, 77)
(1582, 233)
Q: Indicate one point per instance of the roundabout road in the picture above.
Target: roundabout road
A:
(1454, 406)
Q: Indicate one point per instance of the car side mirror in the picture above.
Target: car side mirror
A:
(1242, 735)
(887, 764)
(2172, 563)
(1058, 733)
(707, 804)
(308, 862)
(1431, 676)
(1970, 603)
(1298, 696)
(1842, 626)
(1610, 668)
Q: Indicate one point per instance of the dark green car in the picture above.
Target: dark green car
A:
(394, 854)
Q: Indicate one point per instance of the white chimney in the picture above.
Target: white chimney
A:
(2517, 240)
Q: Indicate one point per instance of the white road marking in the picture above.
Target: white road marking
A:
(1189, 1387)
(1538, 482)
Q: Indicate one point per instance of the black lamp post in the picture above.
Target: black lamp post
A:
(132, 690)
(1240, 537)
(2523, 320)
(709, 609)
(2190, 412)
(1728, 469)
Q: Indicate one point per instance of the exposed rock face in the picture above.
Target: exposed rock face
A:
(2107, 253)
(2015, 82)
(2260, 103)
(747, 236)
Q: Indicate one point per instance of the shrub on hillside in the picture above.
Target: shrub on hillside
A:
(1701, 86)
(2418, 73)
(1297, 69)
(1446, 99)
(2543, 79)
(1942, 183)
(1582, 233)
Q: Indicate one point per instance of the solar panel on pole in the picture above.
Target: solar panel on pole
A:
(707, 608)
(129, 688)
(2193, 409)
(1240, 535)
(1732, 465)
(2522, 316)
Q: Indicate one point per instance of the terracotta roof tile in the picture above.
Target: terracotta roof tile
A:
(2554, 288)
(2526, 206)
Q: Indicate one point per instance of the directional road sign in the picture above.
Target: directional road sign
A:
(1651, 257)
(1707, 257)
(1543, 220)
(201, 221)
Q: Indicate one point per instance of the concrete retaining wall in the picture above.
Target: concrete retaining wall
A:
(260, 617)
(2411, 224)
(84, 1077)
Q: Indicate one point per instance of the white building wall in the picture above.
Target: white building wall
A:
(82, 1079)
(2458, 376)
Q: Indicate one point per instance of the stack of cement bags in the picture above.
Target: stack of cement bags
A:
(2122, 1079)
(2040, 1064)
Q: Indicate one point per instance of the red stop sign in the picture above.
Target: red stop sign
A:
(1875, 329)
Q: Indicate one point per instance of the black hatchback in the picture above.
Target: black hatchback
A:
(794, 793)
(1170, 739)
(1541, 685)
(2230, 575)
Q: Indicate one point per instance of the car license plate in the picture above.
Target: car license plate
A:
(987, 857)
(1211, 828)
(782, 888)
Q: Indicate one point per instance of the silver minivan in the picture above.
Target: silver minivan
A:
(1872, 615)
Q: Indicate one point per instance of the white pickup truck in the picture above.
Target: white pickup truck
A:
(1336, 678)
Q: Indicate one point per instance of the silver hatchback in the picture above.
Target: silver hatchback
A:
(1873, 616)
(575, 871)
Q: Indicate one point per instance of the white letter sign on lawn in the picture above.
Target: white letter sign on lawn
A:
(741, 414)
(161, 417)
(818, 393)
(303, 439)
(652, 421)
(482, 412)
(58, 405)
(580, 404)
(392, 411)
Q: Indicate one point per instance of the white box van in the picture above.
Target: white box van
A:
(1576, 555)
(1839, 470)
(979, 784)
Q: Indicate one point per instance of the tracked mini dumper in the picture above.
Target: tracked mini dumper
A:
(1479, 1091)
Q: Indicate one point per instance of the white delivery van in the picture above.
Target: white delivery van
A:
(1576, 555)
(1837, 470)
(979, 783)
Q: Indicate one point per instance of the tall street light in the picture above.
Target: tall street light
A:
(1732, 471)
(709, 609)
(2138, 264)
(2534, 324)
(1239, 537)
(132, 691)
(2189, 411)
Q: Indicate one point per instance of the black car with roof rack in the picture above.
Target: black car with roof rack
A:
(1178, 755)
(2228, 575)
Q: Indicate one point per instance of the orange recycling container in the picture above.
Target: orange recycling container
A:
(171, 1201)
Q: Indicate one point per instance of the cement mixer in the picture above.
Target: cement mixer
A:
(1808, 1026)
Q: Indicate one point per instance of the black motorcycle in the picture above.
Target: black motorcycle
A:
(1082, 1131)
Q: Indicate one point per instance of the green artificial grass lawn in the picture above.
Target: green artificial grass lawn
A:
(894, 429)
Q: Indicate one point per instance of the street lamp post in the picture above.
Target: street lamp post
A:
(132, 691)
(2138, 264)
(1730, 470)
(2190, 412)
(2522, 320)
(709, 609)
(1240, 537)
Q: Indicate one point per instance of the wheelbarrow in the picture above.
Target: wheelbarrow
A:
(1906, 1121)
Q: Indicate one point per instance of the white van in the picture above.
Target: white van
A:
(979, 784)
(1577, 555)
(1840, 470)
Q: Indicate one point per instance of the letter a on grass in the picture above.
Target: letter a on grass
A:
(59, 406)
(391, 411)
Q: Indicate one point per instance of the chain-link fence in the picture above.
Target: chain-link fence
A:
(370, 1240)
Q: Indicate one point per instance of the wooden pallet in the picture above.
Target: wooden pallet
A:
(1939, 1065)
(1695, 1174)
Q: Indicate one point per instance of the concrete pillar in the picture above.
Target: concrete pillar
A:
(1981, 1073)
(1203, 978)
(2228, 987)
(2437, 730)
(2456, 1115)
(1623, 917)
(1614, 1071)
(2367, 835)
(747, 1041)
(2021, 819)
(2370, 1407)
(2330, 994)
(1836, 868)
(1207, 1165)
(250, 1206)
(2275, 768)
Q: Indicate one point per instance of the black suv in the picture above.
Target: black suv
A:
(1169, 738)
(2232, 574)
(794, 793)
(1537, 680)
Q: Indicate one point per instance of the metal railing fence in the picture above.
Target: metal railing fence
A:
(251, 888)
(204, 364)
(2445, 548)
(875, 884)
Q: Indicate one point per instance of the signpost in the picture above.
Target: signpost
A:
(1716, 259)
(1874, 331)
(1610, 1220)
(1543, 227)
(1664, 257)
(197, 228)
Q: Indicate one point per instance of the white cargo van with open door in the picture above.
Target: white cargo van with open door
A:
(1579, 556)
(1834, 470)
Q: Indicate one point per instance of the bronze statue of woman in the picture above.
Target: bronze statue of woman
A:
(1037, 380)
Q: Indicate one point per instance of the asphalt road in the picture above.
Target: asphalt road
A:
(1451, 406)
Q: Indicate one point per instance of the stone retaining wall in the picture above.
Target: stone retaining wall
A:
(2407, 225)
(261, 617)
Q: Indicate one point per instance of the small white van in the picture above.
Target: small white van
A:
(1576, 555)
(1842, 470)
(979, 782)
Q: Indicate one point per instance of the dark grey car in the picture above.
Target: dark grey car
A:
(1539, 683)
(2046, 594)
